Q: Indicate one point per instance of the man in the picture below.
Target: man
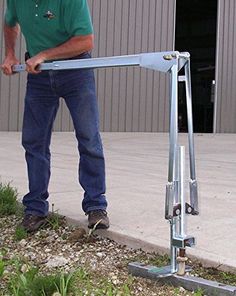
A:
(53, 30)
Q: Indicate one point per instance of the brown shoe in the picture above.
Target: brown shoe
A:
(32, 223)
(98, 217)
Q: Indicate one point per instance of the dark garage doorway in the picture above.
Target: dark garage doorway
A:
(196, 31)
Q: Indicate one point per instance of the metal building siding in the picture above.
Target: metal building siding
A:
(225, 107)
(130, 99)
(11, 90)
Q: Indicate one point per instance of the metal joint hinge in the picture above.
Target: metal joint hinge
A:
(183, 242)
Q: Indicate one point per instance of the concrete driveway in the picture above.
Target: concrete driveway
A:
(136, 165)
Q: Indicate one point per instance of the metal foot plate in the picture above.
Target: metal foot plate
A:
(190, 283)
(150, 271)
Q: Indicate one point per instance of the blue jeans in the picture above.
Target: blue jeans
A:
(77, 87)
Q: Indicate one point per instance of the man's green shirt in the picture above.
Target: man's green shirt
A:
(48, 23)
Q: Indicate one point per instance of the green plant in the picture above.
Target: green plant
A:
(64, 284)
(16, 263)
(54, 219)
(82, 274)
(229, 277)
(20, 283)
(94, 284)
(19, 210)
(199, 292)
(2, 267)
(15, 290)
(20, 233)
(31, 283)
(8, 200)
(160, 260)
(44, 285)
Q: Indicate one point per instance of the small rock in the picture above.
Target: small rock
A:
(182, 290)
(140, 289)
(24, 268)
(23, 243)
(99, 255)
(5, 272)
(56, 262)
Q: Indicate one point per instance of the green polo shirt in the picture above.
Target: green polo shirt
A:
(48, 23)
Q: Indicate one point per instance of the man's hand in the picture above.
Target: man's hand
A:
(7, 64)
(33, 63)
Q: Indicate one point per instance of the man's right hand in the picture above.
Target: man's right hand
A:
(7, 64)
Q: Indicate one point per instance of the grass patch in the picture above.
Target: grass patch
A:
(214, 274)
(33, 284)
(20, 233)
(151, 259)
(88, 284)
(199, 292)
(159, 260)
(8, 200)
(54, 220)
(2, 267)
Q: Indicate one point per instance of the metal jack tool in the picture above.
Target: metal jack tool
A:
(176, 207)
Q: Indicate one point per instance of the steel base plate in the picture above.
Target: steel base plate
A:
(191, 283)
(143, 270)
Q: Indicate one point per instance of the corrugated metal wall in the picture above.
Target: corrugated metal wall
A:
(11, 90)
(130, 99)
(225, 107)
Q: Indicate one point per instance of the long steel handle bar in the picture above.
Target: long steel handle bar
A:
(85, 63)
(160, 61)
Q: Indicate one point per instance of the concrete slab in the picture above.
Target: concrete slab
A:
(136, 165)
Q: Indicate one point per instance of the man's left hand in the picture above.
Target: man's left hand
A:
(33, 63)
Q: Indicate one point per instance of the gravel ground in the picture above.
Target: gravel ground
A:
(67, 249)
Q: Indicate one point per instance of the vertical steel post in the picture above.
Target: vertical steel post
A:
(173, 157)
(193, 182)
(173, 122)
(181, 190)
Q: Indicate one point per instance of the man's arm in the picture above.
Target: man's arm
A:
(73, 47)
(10, 36)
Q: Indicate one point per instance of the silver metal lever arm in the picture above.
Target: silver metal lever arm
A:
(159, 61)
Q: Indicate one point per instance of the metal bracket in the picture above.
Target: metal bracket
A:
(183, 242)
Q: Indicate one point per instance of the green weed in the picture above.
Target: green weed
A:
(199, 292)
(20, 233)
(64, 284)
(55, 220)
(228, 277)
(31, 283)
(88, 284)
(8, 200)
(159, 261)
(2, 267)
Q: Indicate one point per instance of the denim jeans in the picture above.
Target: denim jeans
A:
(77, 87)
